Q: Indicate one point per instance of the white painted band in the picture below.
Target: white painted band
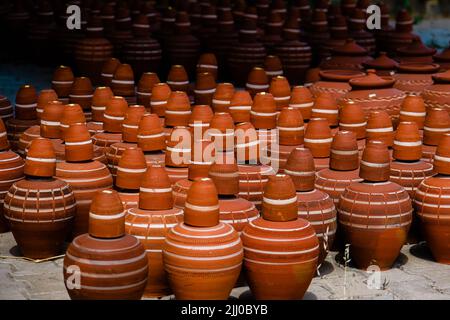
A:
(280, 202)
(123, 81)
(291, 129)
(387, 129)
(204, 91)
(50, 123)
(201, 208)
(374, 165)
(326, 140)
(155, 190)
(26, 106)
(98, 108)
(408, 143)
(257, 86)
(216, 101)
(436, 129)
(261, 114)
(301, 105)
(177, 83)
(413, 114)
(107, 116)
(326, 111)
(131, 170)
(361, 124)
(178, 112)
(158, 103)
(79, 143)
(244, 108)
(345, 152)
(106, 217)
(46, 160)
(150, 136)
(299, 173)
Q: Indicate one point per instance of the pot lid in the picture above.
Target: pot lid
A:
(416, 49)
(350, 48)
(342, 75)
(372, 81)
(382, 62)
(443, 77)
(418, 67)
(444, 55)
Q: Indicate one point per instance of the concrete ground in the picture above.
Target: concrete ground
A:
(414, 276)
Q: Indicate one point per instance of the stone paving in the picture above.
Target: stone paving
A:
(414, 276)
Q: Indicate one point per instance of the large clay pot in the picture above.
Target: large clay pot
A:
(415, 52)
(40, 209)
(150, 223)
(335, 82)
(437, 95)
(375, 215)
(413, 78)
(280, 246)
(432, 203)
(348, 56)
(202, 256)
(110, 265)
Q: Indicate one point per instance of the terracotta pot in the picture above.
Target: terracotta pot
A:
(302, 99)
(200, 280)
(263, 114)
(114, 114)
(383, 65)
(6, 109)
(150, 136)
(358, 29)
(436, 95)
(252, 180)
(126, 277)
(40, 229)
(62, 82)
(25, 139)
(200, 119)
(415, 52)
(335, 82)
(122, 30)
(437, 123)
(273, 66)
(207, 62)
(178, 149)
(240, 106)
(26, 103)
(221, 132)
(374, 165)
(81, 94)
(257, 81)
(348, 56)
(178, 109)
(352, 118)
(413, 78)
(102, 95)
(265, 241)
(443, 59)
(130, 124)
(318, 137)
(151, 222)
(379, 127)
(413, 109)
(50, 120)
(281, 91)
(113, 154)
(325, 106)
(109, 68)
(11, 171)
(103, 140)
(222, 97)
(247, 144)
(45, 96)
(224, 173)
(78, 143)
(122, 83)
(205, 86)
(72, 113)
(160, 94)
(290, 126)
(301, 169)
(344, 152)
(178, 79)
(130, 169)
(145, 87)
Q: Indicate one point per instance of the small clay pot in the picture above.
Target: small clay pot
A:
(375, 161)
(50, 120)
(45, 96)
(205, 87)
(273, 66)
(281, 91)
(202, 157)
(178, 109)
(246, 143)
(41, 159)
(78, 143)
(352, 118)
(158, 101)
(130, 169)
(26, 103)
(178, 149)
(263, 114)
(344, 154)
(130, 125)
(224, 174)
(437, 123)
(240, 106)
(221, 132)
(318, 137)
(413, 109)
(178, 79)
(202, 204)
(302, 99)
(207, 62)
(72, 113)
(101, 97)
(257, 81)
(325, 106)
(150, 135)
(279, 200)
(300, 167)
(379, 127)
(62, 81)
(6, 108)
(122, 83)
(200, 117)
(108, 70)
(407, 142)
(222, 97)
(290, 126)
(81, 94)
(114, 115)
(145, 87)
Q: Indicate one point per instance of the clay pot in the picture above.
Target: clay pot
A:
(246, 143)
(221, 132)
(348, 56)
(108, 70)
(126, 277)
(265, 241)
(130, 124)
(62, 82)
(205, 86)
(263, 114)
(379, 127)
(240, 106)
(335, 82)
(200, 117)
(45, 96)
(50, 120)
(252, 180)
(222, 97)
(290, 126)
(114, 114)
(6, 109)
(178, 149)
(26, 103)
(358, 29)
(150, 135)
(151, 222)
(443, 59)
(122, 30)
(15, 128)
(72, 113)
(40, 229)
(413, 109)
(207, 63)
(202, 219)
(352, 118)
(85, 177)
(407, 142)
(325, 106)
(281, 91)
(224, 173)
(413, 78)
(178, 79)
(178, 109)
(122, 83)
(257, 81)
(145, 87)
(402, 36)
(113, 154)
(273, 66)
(383, 65)
(300, 167)
(101, 97)
(302, 99)
(318, 137)
(437, 95)
(81, 94)
(377, 227)
(344, 152)
(158, 101)
(415, 52)
(273, 30)
(130, 169)
(437, 123)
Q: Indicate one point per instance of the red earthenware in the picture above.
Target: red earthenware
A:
(158, 101)
(414, 77)
(325, 106)
(205, 86)
(130, 124)
(72, 113)
(290, 126)
(6, 109)
(415, 52)
(374, 166)
(437, 95)
(383, 65)
(443, 59)
(335, 82)
(358, 29)
(126, 275)
(108, 70)
(379, 127)
(150, 135)
(302, 99)
(45, 96)
(281, 91)
(318, 137)
(413, 109)
(246, 143)
(145, 87)
(101, 97)
(207, 62)
(437, 123)
(273, 66)
(26, 103)
(348, 56)
(221, 132)
(62, 81)
(122, 83)
(222, 97)
(344, 152)
(352, 118)
(114, 114)
(257, 81)
(81, 94)
(50, 120)
(240, 106)
(178, 109)
(200, 119)
(130, 169)
(178, 79)
(263, 114)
